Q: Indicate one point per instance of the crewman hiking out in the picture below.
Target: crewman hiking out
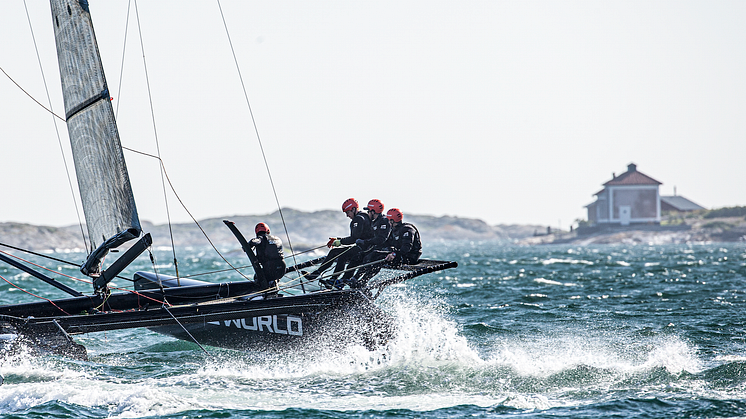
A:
(344, 250)
(381, 229)
(403, 247)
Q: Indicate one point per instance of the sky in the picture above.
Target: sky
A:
(513, 112)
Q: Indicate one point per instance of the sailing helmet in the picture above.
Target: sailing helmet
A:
(349, 204)
(375, 205)
(261, 227)
(395, 214)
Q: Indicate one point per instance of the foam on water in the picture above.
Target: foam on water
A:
(428, 367)
(552, 261)
(360, 379)
(541, 357)
(427, 350)
(551, 282)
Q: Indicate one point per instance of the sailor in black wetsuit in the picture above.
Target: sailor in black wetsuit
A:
(381, 230)
(269, 265)
(342, 253)
(403, 247)
(378, 223)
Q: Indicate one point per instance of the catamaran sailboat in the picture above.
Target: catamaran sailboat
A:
(234, 315)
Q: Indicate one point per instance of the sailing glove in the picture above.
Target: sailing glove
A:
(337, 243)
(360, 242)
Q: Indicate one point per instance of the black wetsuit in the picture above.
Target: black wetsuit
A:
(381, 231)
(360, 228)
(370, 248)
(404, 241)
(269, 254)
(407, 244)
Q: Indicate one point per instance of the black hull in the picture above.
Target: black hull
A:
(91, 304)
(363, 324)
(333, 316)
(227, 315)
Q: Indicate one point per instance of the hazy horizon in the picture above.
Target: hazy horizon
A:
(508, 112)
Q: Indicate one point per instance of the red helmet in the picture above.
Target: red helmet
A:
(349, 204)
(261, 227)
(395, 214)
(375, 205)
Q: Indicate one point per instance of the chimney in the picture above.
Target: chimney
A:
(631, 167)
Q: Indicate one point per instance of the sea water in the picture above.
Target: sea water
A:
(642, 331)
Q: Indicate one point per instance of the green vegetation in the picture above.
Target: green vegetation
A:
(726, 212)
(582, 223)
(673, 222)
(722, 225)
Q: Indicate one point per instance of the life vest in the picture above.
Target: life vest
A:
(401, 237)
(270, 256)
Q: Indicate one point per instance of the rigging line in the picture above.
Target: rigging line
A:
(73, 264)
(32, 98)
(305, 251)
(39, 254)
(303, 280)
(56, 129)
(157, 144)
(246, 266)
(256, 130)
(219, 270)
(107, 294)
(77, 279)
(33, 295)
(302, 277)
(173, 189)
(44, 268)
(187, 332)
(66, 262)
(124, 50)
(215, 272)
(157, 276)
(141, 295)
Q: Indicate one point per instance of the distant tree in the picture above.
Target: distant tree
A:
(582, 223)
(726, 212)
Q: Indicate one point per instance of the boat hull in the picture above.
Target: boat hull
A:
(227, 315)
(327, 318)
(363, 324)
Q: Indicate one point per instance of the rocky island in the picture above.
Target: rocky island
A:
(311, 229)
(718, 225)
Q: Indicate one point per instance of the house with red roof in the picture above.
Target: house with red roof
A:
(630, 198)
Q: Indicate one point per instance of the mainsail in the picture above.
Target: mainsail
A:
(106, 193)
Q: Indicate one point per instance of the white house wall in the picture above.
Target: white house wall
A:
(644, 201)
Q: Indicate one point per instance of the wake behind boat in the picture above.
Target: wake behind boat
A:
(236, 315)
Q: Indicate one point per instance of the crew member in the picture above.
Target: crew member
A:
(405, 239)
(381, 229)
(403, 247)
(269, 266)
(379, 224)
(342, 253)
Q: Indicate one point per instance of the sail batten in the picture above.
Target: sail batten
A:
(103, 181)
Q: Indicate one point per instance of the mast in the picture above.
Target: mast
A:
(103, 181)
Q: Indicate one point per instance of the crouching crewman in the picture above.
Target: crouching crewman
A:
(403, 247)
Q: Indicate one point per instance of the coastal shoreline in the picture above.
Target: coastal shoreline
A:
(311, 229)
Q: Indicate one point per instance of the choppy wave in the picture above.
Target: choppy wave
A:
(643, 338)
